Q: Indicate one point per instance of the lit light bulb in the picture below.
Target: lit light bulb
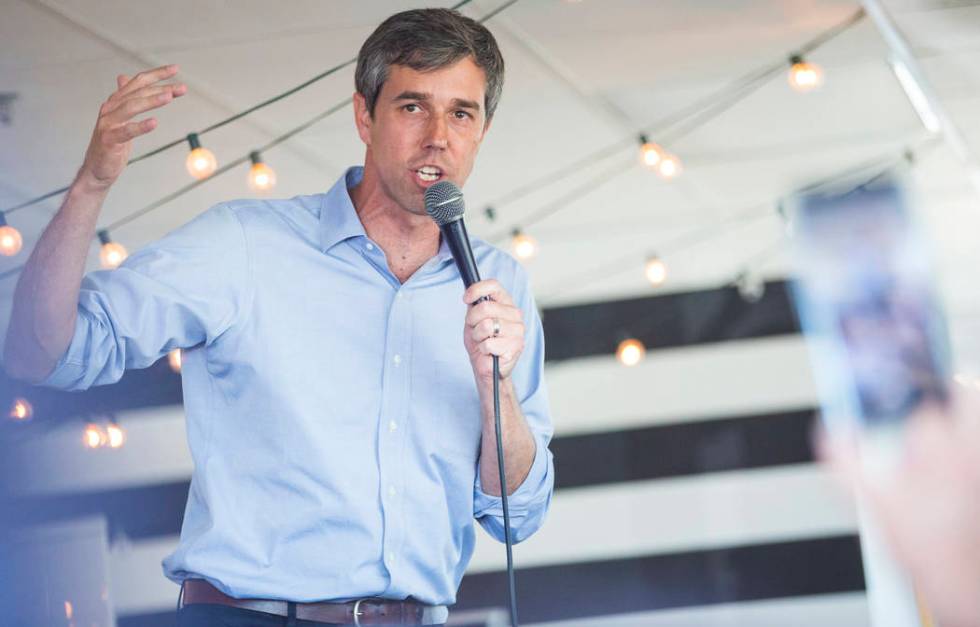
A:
(751, 287)
(669, 166)
(112, 253)
(630, 352)
(115, 435)
(655, 271)
(174, 357)
(21, 410)
(10, 240)
(523, 245)
(261, 178)
(650, 153)
(94, 436)
(803, 75)
(200, 162)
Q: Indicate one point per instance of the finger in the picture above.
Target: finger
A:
(148, 78)
(121, 81)
(150, 91)
(491, 288)
(484, 330)
(175, 89)
(491, 309)
(131, 108)
(503, 347)
(127, 132)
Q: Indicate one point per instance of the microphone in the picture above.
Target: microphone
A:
(444, 204)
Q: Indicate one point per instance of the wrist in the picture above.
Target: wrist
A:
(485, 389)
(87, 183)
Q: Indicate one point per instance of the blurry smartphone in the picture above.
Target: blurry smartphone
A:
(865, 295)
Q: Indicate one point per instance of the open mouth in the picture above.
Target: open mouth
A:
(428, 174)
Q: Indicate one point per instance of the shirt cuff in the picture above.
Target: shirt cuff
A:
(69, 369)
(532, 490)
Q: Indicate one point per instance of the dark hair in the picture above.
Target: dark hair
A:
(428, 39)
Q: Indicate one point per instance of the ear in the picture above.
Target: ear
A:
(362, 118)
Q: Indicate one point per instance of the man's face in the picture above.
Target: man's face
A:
(427, 127)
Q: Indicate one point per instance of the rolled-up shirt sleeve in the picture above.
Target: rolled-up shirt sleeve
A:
(528, 505)
(183, 290)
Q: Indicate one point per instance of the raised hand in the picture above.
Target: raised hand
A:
(112, 140)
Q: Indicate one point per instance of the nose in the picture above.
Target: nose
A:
(437, 133)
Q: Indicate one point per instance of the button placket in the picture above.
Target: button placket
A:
(391, 436)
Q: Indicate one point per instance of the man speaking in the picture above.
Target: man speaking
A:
(341, 429)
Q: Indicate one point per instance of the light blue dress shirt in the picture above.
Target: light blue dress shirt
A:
(332, 413)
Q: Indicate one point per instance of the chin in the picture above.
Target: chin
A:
(414, 203)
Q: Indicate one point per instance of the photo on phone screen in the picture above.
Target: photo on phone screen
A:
(865, 294)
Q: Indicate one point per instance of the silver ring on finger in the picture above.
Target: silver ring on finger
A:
(496, 327)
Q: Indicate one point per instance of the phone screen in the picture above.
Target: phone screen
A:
(865, 294)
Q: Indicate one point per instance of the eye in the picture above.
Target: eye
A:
(411, 107)
(462, 115)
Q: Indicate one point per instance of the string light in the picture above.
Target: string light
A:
(650, 153)
(10, 239)
(261, 178)
(523, 245)
(200, 162)
(750, 287)
(115, 435)
(112, 253)
(21, 410)
(803, 75)
(630, 352)
(252, 109)
(94, 436)
(655, 270)
(809, 46)
(669, 166)
(175, 359)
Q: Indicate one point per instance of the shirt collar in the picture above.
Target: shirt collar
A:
(339, 220)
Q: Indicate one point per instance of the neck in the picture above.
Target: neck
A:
(408, 239)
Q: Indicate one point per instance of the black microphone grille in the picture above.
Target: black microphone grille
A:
(444, 202)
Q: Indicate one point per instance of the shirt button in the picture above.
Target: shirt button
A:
(392, 425)
(369, 246)
(397, 359)
(392, 491)
(391, 556)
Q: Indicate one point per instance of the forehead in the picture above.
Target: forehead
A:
(461, 80)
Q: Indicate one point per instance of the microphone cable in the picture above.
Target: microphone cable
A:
(511, 586)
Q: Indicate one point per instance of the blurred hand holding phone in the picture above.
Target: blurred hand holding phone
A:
(895, 430)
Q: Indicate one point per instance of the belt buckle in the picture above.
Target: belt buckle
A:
(357, 612)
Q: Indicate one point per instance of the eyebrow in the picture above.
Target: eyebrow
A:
(457, 102)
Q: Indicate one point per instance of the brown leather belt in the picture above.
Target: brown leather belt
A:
(360, 612)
